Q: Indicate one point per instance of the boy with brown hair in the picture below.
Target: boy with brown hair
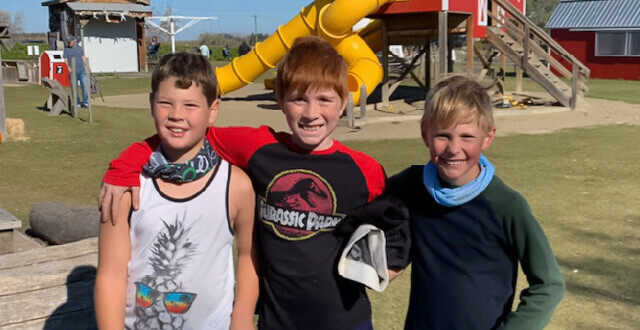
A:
(305, 183)
(469, 229)
(156, 268)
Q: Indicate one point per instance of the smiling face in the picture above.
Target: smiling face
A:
(456, 150)
(312, 116)
(181, 116)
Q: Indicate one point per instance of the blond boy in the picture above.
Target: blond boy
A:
(469, 229)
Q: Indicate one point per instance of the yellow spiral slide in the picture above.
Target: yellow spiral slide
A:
(333, 21)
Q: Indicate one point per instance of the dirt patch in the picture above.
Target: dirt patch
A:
(253, 106)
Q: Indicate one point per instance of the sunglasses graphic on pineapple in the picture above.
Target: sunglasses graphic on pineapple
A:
(174, 302)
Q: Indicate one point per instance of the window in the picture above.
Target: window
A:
(634, 43)
(617, 43)
(610, 43)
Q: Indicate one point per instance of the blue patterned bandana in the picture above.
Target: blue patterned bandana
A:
(459, 195)
(194, 169)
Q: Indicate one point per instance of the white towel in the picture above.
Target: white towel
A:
(364, 259)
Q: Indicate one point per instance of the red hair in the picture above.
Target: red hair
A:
(311, 63)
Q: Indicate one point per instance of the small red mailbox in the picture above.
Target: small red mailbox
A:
(52, 66)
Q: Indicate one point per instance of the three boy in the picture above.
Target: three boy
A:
(468, 229)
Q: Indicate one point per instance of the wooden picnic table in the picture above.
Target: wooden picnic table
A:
(49, 287)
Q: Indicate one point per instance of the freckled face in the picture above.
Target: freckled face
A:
(312, 117)
(456, 150)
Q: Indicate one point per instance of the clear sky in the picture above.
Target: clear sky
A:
(233, 16)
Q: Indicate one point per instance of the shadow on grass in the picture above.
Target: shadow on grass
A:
(409, 94)
(269, 96)
(600, 277)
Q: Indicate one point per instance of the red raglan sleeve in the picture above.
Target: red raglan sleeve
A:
(237, 144)
(125, 170)
(373, 172)
(234, 144)
(376, 179)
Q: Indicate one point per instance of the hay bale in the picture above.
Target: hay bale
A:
(15, 130)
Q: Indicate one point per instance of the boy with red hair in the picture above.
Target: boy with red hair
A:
(306, 182)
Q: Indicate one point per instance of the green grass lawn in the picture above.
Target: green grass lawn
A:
(582, 185)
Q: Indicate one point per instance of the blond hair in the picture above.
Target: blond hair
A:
(458, 100)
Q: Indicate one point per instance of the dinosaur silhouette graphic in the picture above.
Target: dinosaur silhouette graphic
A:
(302, 190)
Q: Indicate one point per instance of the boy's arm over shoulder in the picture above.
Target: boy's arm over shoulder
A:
(236, 144)
(529, 242)
(125, 170)
(241, 214)
(124, 175)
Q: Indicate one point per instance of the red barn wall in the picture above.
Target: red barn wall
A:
(581, 44)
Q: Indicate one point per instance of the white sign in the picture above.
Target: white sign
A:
(482, 12)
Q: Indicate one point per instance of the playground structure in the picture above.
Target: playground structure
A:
(415, 22)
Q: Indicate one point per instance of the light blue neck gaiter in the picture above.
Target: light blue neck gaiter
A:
(459, 195)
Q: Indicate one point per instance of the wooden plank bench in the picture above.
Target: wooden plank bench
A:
(49, 288)
(7, 225)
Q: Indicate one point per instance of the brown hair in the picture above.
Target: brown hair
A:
(187, 68)
(458, 100)
(311, 63)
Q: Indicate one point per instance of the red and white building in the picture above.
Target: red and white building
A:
(603, 34)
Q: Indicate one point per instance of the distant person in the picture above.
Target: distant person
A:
(225, 52)
(469, 229)
(204, 50)
(243, 48)
(73, 51)
(154, 46)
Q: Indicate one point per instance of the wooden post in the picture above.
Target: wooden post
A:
(3, 120)
(427, 64)
(83, 22)
(4, 36)
(518, 80)
(73, 106)
(574, 83)
(469, 31)
(443, 31)
(363, 101)
(385, 65)
(503, 72)
(88, 73)
(525, 47)
(350, 116)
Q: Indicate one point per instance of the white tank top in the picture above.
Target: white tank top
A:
(181, 266)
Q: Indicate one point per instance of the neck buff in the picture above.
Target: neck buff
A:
(194, 169)
(459, 195)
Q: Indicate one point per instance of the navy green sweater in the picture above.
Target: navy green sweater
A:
(465, 260)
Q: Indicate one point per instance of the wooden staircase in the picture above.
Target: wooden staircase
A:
(528, 45)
